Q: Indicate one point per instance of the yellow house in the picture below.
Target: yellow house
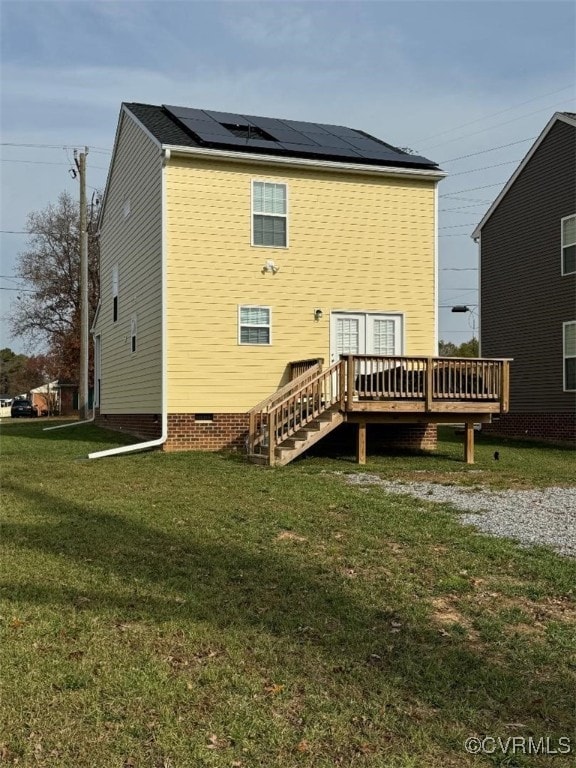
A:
(242, 260)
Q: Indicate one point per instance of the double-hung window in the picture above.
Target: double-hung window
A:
(269, 214)
(569, 342)
(569, 245)
(133, 332)
(254, 325)
(115, 293)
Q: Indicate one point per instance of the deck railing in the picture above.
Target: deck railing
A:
(377, 377)
(355, 381)
(298, 367)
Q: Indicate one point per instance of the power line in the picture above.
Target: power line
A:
(486, 167)
(472, 189)
(470, 199)
(494, 114)
(14, 232)
(53, 146)
(47, 162)
(498, 125)
(484, 151)
(456, 226)
(462, 208)
(18, 290)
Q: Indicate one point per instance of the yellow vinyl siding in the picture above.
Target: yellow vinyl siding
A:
(355, 243)
(131, 382)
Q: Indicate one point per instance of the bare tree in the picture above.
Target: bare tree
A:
(50, 314)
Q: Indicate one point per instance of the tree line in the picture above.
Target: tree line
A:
(47, 315)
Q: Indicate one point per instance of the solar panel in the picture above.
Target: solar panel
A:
(229, 117)
(261, 144)
(291, 137)
(188, 113)
(326, 140)
(203, 126)
(338, 130)
(327, 151)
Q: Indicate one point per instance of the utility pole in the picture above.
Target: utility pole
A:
(83, 377)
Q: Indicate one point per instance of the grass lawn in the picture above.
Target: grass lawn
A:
(191, 610)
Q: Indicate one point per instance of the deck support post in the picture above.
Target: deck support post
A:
(361, 443)
(272, 438)
(350, 372)
(429, 392)
(342, 385)
(469, 443)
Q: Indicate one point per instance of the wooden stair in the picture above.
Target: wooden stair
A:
(308, 436)
(296, 417)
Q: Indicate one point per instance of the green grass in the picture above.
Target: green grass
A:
(191, 610)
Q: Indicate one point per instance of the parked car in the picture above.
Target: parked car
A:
(21, 407)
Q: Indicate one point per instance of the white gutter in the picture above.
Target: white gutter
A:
(302, 162)
(156, 443)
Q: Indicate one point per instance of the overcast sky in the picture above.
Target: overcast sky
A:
(448, 79)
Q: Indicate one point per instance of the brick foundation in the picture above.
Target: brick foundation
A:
(380, 438)
(557, 428)
(229, 432)
(226, 432)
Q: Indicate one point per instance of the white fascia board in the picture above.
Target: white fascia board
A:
(302, 162)
(556, 117)
(96, 314)
(124, 112)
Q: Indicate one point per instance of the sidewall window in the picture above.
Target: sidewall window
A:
(269, 214)
(254, 325)
(569, 344)
(568, 236)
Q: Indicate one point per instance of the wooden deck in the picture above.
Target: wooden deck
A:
(376, 389)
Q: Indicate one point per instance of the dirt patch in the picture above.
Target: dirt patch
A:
(446, 614)
(290, 536)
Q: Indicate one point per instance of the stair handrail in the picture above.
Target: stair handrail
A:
(303, 385)
(263, 418)
(293, 412)
(287, 389)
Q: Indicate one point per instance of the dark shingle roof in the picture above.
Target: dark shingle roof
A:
(169, 128)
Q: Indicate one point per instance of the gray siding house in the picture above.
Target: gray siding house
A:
(527, 245)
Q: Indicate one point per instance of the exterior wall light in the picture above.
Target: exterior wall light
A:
(318, 314)
(270, 266)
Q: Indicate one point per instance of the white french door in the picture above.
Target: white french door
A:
(365, 333)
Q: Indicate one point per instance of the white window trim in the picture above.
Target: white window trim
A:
(248, 325)
(565, 356)
(259, 213)
(368, 316)
(133, 334)
(97, 369)
(565, 245)
(115, 292)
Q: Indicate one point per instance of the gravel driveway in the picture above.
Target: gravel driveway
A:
(543, 516)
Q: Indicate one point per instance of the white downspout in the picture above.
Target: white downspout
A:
(72, 423)
(164, 435)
